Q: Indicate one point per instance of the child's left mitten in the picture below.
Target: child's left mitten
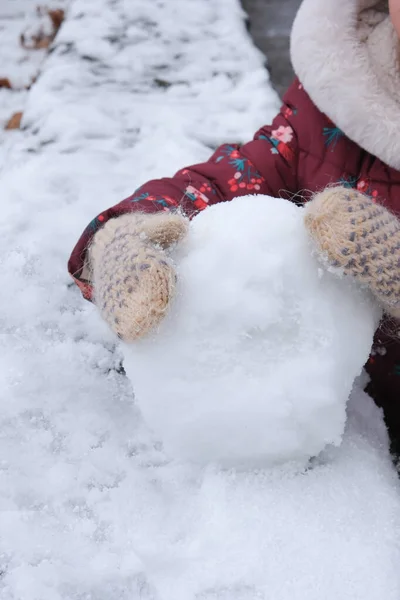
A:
(362, 238)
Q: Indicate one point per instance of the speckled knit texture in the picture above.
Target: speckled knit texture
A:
(133, 277)
(363, 238)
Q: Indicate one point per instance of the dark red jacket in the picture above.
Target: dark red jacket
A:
(300, 153)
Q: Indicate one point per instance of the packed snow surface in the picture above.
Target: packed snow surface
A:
(257, 358)
(90, 507)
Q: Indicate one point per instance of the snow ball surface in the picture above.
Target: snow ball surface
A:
(256, 360)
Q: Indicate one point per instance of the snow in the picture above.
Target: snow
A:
(258, 355)
(90, 505)
(18, 64)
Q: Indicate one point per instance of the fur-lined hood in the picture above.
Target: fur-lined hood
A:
(346, 54)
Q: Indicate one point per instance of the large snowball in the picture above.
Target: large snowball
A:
(257, 357)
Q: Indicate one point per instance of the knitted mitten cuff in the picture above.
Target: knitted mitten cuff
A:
(133, 278)
(362, 238)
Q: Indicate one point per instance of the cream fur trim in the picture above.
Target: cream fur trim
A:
(348, 61)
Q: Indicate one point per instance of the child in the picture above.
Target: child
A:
(335, 142)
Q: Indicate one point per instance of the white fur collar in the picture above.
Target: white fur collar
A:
(348, 62)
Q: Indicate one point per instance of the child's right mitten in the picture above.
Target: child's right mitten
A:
(133, 277)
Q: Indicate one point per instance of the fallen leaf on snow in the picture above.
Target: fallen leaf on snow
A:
(45, 33)
(14, 122)
(57, 17)
(5, 83)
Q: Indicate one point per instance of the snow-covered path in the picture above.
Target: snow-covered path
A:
(89, 508)
(19, 65)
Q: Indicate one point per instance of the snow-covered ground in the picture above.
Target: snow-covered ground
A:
(19, 65)
(90, 507)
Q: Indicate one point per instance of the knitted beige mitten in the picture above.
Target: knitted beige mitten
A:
(133, 278)
(362, 238)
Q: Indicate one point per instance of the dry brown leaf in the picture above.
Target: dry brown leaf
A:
(43, 40)
(14, 122)
(57, 17)
(5, 83)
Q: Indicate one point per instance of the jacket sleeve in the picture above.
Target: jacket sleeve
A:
(266, 165)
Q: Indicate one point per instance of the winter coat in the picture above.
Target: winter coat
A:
(342, 130)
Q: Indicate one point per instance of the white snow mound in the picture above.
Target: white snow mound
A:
(256, 360)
